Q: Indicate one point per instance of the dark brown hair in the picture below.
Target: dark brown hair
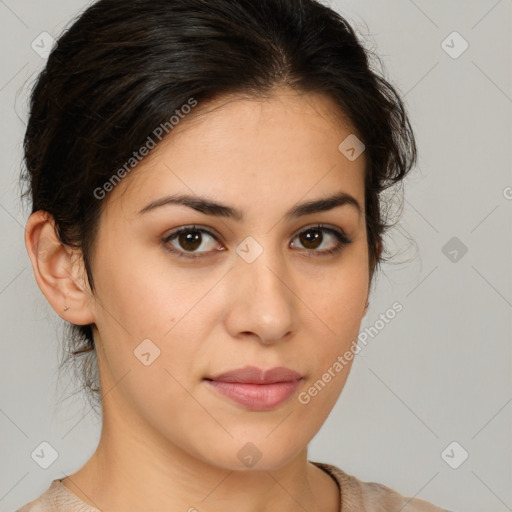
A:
(123, 68)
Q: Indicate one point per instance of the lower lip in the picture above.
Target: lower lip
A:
(258, 397)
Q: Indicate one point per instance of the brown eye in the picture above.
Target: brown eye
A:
(314, 237)
(186, 240)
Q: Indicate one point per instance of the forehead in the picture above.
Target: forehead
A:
(240, 148)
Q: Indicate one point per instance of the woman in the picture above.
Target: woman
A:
(205, 180)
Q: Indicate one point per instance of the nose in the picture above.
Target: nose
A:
(262, 302)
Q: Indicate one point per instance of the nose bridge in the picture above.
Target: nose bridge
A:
(263, 261)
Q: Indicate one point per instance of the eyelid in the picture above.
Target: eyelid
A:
(321, 225)
(192, 227)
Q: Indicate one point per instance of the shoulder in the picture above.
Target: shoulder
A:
(40, 504)
(57, 498)
(357, 495)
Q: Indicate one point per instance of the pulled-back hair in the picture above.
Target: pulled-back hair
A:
(124, 68)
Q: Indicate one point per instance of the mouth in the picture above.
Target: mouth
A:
(254, 388)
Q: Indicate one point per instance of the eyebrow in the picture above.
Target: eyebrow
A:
(209, 207)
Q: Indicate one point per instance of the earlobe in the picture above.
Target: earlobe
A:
(58, 271)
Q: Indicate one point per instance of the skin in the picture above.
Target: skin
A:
(168, 441)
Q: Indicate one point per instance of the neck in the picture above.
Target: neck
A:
(154, 474)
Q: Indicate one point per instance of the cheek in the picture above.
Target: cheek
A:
(338, 298)
(138, 296)
(145, 322)
(337, 303)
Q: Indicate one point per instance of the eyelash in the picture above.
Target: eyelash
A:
(342, 241)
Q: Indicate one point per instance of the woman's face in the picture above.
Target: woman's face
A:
(259, 289)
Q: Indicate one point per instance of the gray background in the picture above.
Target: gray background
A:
(439, 372)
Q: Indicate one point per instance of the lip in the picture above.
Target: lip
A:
(254, 375)
(255, 388)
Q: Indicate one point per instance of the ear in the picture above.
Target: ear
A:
(59, 271)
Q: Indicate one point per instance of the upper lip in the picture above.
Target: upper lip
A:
(254, 375)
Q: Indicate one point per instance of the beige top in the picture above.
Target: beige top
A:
(356, 496)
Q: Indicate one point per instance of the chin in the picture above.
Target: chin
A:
(259, 454)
